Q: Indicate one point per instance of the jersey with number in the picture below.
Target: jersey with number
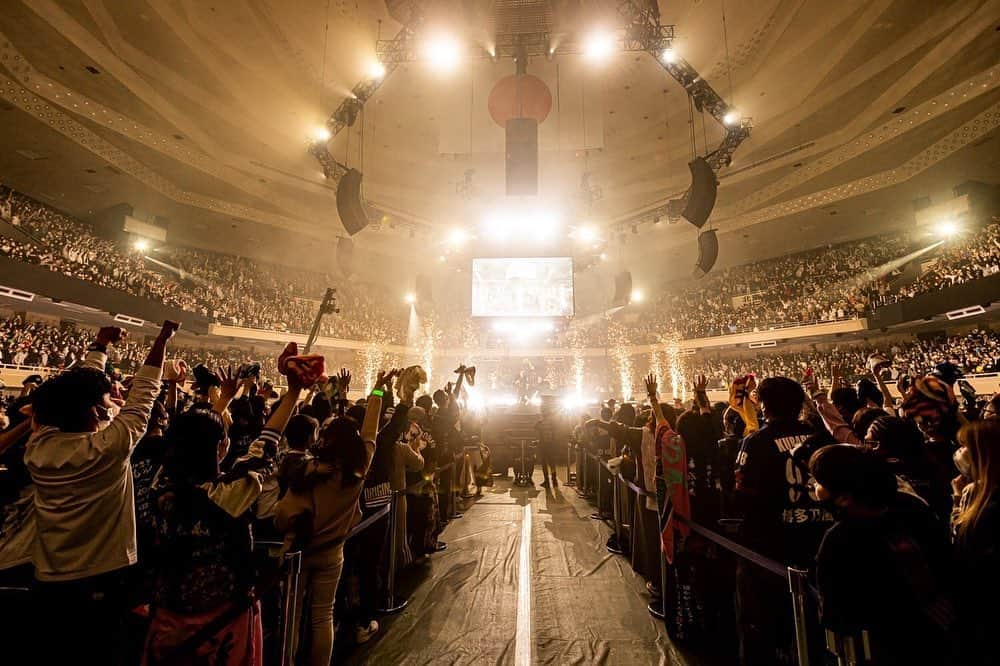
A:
(782, 517)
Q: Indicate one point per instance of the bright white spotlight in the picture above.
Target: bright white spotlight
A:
(376, 70)
(586, 234)
(731, 117)
(947, 229)
(457, 238)
(141, 244)
(668, 55)
(410, 298)
(604, 256)
(637, 296)
(599, 45)
(443, 52)
(321, 133)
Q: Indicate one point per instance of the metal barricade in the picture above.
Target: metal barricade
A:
(290, 611)
(849, 650)
(392, 605)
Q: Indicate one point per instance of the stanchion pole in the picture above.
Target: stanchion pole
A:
(290, 612)
(600, 482)
(392, 606)
(798, 587)
(616, 515)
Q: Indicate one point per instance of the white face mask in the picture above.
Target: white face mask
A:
(963, 462)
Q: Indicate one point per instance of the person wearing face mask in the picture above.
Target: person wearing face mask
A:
(880, 567)
(976, 524)
(78, 458)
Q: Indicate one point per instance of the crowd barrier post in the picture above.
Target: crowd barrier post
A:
(570, 476)
(392, 605)
(616, 515)
(798, 584)
(290, 612)
(600, 482)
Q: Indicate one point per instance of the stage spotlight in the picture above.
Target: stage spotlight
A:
(637, 296)
(457, 238)
(604, 256)
(410, 298)
(599, 45)
(731, 118)
(947, 229)
(321, 133)
(443, 52)
(668, 55)
(586, 234)
(376, 70)
(142, 245)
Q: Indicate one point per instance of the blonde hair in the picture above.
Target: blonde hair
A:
(982, 439)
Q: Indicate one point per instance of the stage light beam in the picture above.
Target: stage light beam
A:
(376, 70)
(443, 52)
(637, 296)
(321, 133)
(731, 118)
(457, 238)
(668, 55)
(410, 298)
(599, 45)
(947, 228)
(142, 245)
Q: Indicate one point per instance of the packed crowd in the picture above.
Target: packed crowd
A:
(131, 510)
(36, 344)
(977, 352)
(891, 506)
(974, 259)
(225, 288)
(821, 285)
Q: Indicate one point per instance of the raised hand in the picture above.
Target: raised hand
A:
(343, 381)
(111, 335)
(701, 384)
(175, 371)
(651, 385)
(168, 330)
(229, 382)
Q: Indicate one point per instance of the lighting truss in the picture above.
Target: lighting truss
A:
(347, 113)
(643, 32)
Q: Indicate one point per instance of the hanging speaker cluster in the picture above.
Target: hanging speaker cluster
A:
(350, 206)
(623, 290)
(700, 202)
(701, 197)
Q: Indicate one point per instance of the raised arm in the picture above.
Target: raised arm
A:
(654, 400)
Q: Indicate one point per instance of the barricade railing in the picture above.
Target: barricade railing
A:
(797, 579)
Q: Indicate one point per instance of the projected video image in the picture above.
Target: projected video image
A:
(522, 287)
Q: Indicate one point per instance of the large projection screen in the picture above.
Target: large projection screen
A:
(522, 287)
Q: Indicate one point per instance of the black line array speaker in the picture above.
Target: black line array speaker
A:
(623, 290)
(708, 252)
(704, 189)
(522, 156)
(350, 207)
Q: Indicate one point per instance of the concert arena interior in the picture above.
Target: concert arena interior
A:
(502, 332)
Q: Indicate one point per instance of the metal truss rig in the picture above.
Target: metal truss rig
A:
(643, 32)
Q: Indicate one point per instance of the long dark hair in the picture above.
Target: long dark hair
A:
(193, 446)
(340, 445)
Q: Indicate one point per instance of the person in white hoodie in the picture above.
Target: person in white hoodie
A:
(78, 458)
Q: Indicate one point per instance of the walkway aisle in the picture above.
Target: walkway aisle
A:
(586, 605)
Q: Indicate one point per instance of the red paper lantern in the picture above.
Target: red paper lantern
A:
(516, 96)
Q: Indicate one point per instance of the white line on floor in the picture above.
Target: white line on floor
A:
(522, 640)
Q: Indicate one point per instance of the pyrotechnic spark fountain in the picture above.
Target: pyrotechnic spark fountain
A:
(430, 335)
(618, 344)
(576, 342)
(675, 364)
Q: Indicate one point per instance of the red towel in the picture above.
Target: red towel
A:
(308, 369)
